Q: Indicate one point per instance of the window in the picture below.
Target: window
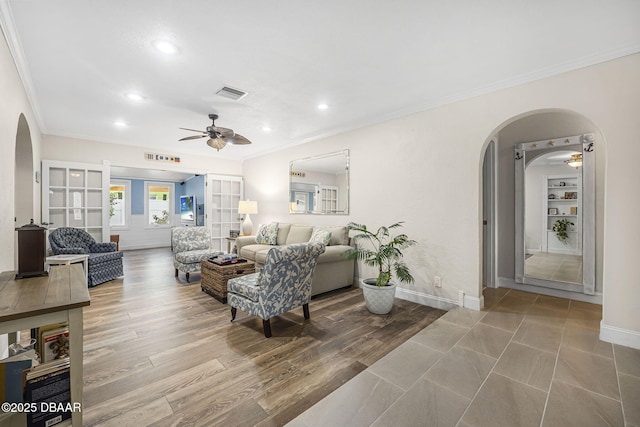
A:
(159, 196)
(119, 203)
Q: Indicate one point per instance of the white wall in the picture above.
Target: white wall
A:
(14, 102)
(430, 177)
(86, 151)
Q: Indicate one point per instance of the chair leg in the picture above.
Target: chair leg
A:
(187, 274)
(176, 273)
(305, 309)
(266, 325)
(233, 314)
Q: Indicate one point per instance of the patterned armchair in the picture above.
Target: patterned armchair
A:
(283, 283)
(104, 263)
(190, 245)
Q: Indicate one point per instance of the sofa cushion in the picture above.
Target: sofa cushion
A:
(267, 234)
(245, 286)
(250, 251)
(283, 232)
(320, 236)
(299, 234)
(339, 235)
(334, 253)
(261, 256)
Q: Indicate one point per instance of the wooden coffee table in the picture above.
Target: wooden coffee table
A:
(215, 277)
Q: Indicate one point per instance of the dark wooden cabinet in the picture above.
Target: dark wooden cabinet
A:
(31, 250)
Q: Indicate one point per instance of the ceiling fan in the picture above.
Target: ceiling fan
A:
(218, 137)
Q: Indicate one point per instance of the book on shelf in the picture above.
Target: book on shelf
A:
(47, 328)
(55, 344)
(49, 386)
(12, 372)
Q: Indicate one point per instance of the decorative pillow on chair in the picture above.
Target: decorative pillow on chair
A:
(267, 234)
(320, 236)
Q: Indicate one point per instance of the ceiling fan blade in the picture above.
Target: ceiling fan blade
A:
(186, 138)
(223, 131)
(237, 139)
(194, 130)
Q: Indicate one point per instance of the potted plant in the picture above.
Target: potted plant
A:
(382, 250)
(561, 227)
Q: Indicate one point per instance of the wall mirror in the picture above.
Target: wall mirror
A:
(320, 184)
(555, 213)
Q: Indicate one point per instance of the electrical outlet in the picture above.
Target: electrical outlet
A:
(437, 281)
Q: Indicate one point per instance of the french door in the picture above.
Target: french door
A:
(76, 195)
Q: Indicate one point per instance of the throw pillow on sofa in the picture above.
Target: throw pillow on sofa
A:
(320, 236)
(267, 234)
(339, 234)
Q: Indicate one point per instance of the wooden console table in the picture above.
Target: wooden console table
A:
(38, 301)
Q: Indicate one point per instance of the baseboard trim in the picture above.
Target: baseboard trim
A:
(504, 282)
(614, 335)
(149, 246)
(442, 303)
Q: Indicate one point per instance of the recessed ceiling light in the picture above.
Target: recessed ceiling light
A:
(322, 106)
(120, 123)
(266, 128)
(134, 96)
(165, 47)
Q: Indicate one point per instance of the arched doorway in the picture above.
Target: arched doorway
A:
(532, 126)
(24, 178)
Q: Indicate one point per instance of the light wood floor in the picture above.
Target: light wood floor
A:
(161, 352)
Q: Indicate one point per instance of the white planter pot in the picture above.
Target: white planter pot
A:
(379, 299)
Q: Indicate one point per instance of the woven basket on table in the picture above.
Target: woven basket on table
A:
(215, 277)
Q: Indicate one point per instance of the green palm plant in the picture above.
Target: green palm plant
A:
(384, 251)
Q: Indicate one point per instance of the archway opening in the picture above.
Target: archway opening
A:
(24, 186)
(533, 126)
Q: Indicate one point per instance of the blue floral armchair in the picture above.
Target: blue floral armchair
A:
(104, 263)
(190, 245)
(283, 283)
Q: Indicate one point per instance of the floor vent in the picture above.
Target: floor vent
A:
(229, 92)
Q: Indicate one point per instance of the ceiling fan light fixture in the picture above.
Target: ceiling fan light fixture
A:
(216, 143)
(575, 161)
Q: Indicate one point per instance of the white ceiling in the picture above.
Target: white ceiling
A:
(368, 60)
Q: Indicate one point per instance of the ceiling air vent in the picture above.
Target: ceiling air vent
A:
(229, 92)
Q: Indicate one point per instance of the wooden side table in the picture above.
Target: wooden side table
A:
(70, 259)
(231, 241)
(215, 277)
(115, 238)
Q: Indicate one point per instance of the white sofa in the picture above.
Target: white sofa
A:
(333, 270)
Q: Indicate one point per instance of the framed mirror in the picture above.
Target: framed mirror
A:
(555, 213)
(320, 184)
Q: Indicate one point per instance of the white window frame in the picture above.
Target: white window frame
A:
(172, 192)
(127, 203)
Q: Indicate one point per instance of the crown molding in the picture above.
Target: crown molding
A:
(15, 47)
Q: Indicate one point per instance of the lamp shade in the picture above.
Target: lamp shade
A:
(247, 207)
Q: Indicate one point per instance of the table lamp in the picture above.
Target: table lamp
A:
(247, 207)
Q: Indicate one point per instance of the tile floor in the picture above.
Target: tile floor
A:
(526, 360)
(556, 267)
